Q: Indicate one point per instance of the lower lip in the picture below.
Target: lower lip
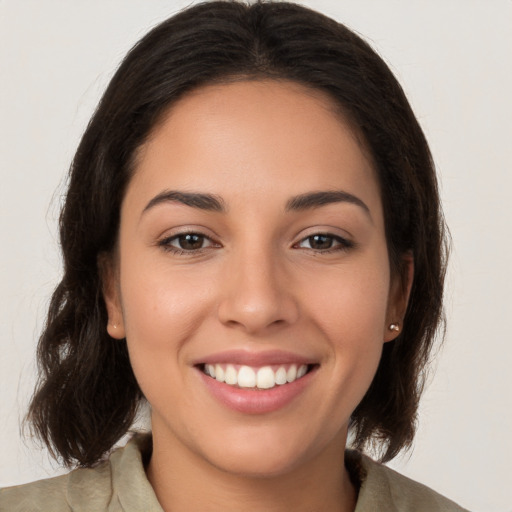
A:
(256, 401)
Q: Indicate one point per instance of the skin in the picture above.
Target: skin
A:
(257, 283)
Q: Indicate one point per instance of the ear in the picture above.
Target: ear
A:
(399, 291)
(109, 274)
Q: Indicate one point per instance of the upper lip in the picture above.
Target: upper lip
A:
(255, 359)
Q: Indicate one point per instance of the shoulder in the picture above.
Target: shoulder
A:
(114, 483)
(386, 490)
(58, 493)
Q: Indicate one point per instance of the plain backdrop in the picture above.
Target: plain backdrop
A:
(453, 58)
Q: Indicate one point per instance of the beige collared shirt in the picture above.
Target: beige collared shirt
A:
(120, 485)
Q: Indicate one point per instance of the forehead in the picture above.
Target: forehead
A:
(245, 136)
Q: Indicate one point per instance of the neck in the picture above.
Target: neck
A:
(184, 481)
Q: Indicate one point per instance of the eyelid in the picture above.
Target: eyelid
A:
(341, 242)
(178, 236)
(185, 229)
(324, 229)
(165, 241)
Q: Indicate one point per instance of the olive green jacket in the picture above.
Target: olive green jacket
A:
(120, 485)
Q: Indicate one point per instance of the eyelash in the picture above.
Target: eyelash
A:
(342, 244)
(166, 244)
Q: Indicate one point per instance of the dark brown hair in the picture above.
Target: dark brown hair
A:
(87, 396)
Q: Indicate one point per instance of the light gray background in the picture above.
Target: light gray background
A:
(452, 57)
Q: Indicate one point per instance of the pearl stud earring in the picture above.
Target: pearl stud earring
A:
(394, 327)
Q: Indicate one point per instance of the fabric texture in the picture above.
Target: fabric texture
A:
(120, 485)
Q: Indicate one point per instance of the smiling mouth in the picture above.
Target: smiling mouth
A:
(264, 377)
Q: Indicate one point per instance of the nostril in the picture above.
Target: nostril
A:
(257, 307)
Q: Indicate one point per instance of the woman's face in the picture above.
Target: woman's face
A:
(252, 249)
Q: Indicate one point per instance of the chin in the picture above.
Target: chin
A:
(258, 465)
(267, 454)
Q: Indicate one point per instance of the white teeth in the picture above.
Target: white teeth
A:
(246, 377)
(219, 373)
(291, 374)
(281, 376)
(265, 378)
(262, 378)
(231, 376)
(302, 371)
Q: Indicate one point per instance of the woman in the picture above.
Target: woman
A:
(253, 243)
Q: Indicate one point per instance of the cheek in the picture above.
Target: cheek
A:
(161, 312)
(350, 305)
(352, 316)
(159, 304)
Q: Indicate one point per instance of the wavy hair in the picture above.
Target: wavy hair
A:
(87, 396)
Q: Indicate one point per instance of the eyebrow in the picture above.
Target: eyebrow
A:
(214, 203)
(316, 199)
(209, 202)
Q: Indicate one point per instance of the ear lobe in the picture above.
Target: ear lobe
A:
(399, 292)
(111, 295)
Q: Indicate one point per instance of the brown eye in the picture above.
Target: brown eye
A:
(319, 242)
(324, 242)
(186, 242)
(189, 242)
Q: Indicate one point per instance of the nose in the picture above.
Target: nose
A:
(257, 293)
